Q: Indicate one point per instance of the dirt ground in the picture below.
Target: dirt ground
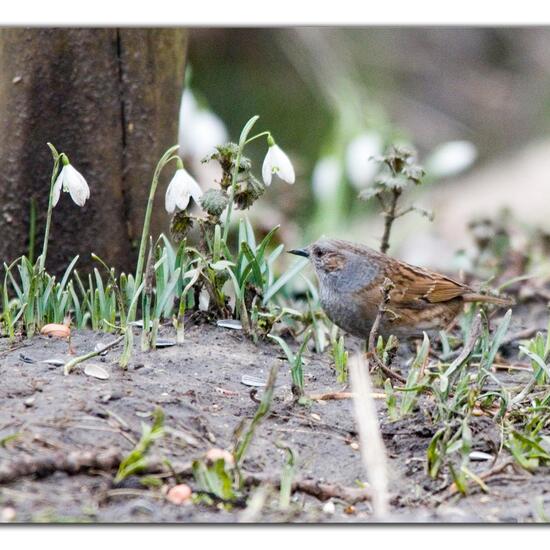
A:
(199, 387)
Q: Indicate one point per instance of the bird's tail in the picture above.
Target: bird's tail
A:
(474, 297)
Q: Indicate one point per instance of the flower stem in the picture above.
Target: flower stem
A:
(232, 194)
(249, 140)
(56, 158)
(146, 225)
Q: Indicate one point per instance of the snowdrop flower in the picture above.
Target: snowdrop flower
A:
(326, 177)
(277, 162)
(180, 189)
(72, 181)
(200, 130)
(360, 167)
(451, 158)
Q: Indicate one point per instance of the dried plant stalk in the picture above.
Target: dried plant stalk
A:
(373, 451)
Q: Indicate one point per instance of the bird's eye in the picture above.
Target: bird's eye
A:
(319, 253)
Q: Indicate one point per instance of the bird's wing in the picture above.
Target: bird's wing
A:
(414, 285)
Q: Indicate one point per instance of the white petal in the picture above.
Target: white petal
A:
(282, 165)
(267, 167)
(360, 168)
(326, 177)
(57, 187)
(169, 200)
(451, 158)
(76, 184)
(177, 194)
(188, 109)
(207, 131)
(200, 130)
(191, 186)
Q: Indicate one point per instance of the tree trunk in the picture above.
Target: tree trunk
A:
(109, 99)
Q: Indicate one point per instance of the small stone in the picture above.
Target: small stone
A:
(179, 494)
(216, 454)
(329, 508)
(29, 402)
(354, 445)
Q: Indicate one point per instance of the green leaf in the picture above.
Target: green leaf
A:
(246, 130)
(284, 279)
(497, 339)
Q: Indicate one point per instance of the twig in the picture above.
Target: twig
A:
(390, 216)
(71, 463)
(78, 462)
(385, 369)
(337, 395)
(318, 489)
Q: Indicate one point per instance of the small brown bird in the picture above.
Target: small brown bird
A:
(351, 277)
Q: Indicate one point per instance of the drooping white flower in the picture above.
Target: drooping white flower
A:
(200, 130)
(180, 189)
(360, 167)
(326, 177)
(277, 162)
(451, 158)
(72, 182)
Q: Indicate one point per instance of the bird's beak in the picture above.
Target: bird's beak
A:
(300, 252)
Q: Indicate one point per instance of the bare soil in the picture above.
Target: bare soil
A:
(199, 388)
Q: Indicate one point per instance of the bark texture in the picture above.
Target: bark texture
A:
(109, 99)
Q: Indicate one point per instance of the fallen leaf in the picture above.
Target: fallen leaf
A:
(55, 330)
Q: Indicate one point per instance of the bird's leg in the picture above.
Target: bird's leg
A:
(386, 287)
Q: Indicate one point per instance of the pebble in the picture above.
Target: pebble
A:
(179, 494)
(329, 508)
(29, 402)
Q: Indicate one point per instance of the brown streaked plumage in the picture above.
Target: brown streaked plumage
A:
(350, 290)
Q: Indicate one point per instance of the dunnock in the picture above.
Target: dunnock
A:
(351, 277)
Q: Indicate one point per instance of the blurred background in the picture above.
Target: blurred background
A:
(474, 102)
